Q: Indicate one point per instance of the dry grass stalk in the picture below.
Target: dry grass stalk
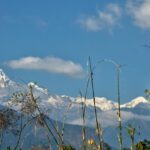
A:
(98, 130)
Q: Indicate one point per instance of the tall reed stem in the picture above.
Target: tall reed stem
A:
(94, 101)
(120, 137)
(119, 109)
(83, 112)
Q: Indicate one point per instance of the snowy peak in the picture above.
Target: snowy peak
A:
(105, 104)
(38, 88)
(135, 102)
(101, 102)
(60, 100)
(4, 80)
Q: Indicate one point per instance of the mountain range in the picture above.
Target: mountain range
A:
(68, 110)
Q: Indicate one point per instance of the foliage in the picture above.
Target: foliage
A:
(143, 145)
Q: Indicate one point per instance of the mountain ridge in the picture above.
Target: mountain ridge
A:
(56, 107)
(102, 102)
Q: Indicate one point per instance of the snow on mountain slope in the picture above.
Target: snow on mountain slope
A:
(59, 100)
(107, 110)
(101, 102)
(67, 109)
(57, 106)
(35, 86)
(4, 80)
(8, 87)
(135, 102)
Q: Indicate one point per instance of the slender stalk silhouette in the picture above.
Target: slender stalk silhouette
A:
(94, 101)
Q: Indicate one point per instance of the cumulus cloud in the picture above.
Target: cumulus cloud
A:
(109, 18)
(140, 12)
(50, 64)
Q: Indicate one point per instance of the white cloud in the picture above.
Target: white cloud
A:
(140, 11)
(115, 8)
(50, 64)
(109, 18)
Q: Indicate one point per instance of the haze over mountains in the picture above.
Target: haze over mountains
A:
(135, 112)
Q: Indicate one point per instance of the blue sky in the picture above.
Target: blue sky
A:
(48, 42)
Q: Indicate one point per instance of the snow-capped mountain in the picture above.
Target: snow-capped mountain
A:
(35, 86)
(4, 80)
(59, 104)
(8, 87)
(67, 109)
(102, 103)
(135, 102)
